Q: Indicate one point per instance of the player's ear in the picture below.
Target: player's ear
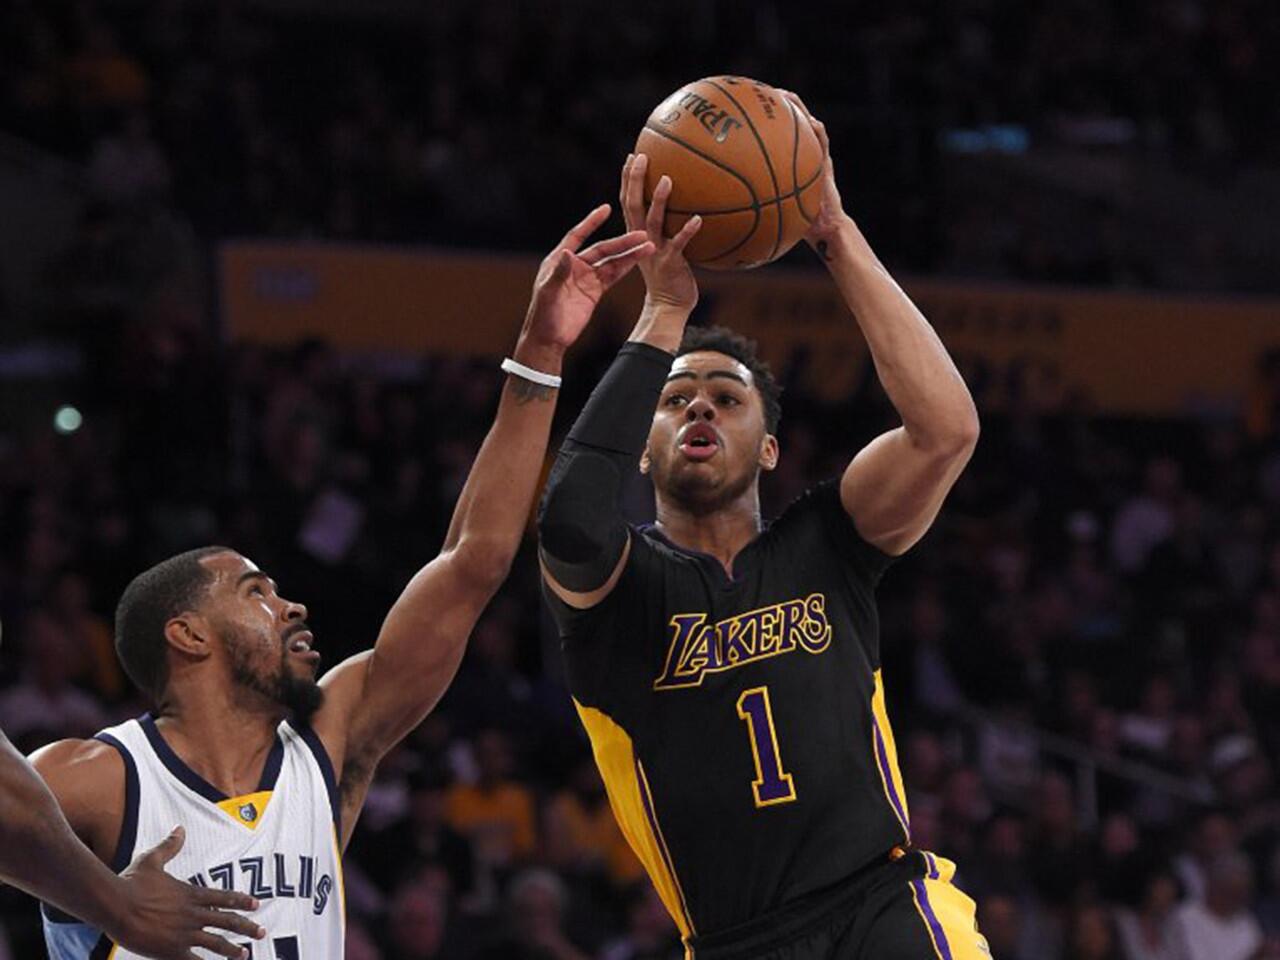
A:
(769, 452)
(644, 460)
(189, 633)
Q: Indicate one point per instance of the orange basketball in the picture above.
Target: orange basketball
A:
(744, 157)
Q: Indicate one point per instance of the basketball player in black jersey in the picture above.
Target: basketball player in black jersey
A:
(728, 674)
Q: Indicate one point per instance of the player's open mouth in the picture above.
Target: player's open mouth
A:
(699, 441)
(300, 643)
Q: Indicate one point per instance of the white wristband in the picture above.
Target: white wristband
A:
(528, 373)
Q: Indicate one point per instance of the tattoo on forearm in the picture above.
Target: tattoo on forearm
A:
(525, 390)
(822, 251)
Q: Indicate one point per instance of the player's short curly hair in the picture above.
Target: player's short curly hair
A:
(724, 340)
(151, 600)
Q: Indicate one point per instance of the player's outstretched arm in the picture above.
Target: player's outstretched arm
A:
(144, 909)
(895, 485)
(583, 539)
(374, 699)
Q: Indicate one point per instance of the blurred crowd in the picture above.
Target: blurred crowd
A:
(1082, 659)
(478, 123)
(1115, 584)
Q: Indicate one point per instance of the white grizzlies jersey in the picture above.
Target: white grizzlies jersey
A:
(279, 844)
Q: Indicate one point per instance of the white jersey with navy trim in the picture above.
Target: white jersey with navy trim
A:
(279, 843)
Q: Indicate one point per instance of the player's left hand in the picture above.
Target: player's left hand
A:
(571, 280)
(831, 216)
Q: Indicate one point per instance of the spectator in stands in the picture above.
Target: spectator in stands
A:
(496, 812)
(535, 909)
(580, 834)
(1149, 930)
(1220, 927)
(650, 934)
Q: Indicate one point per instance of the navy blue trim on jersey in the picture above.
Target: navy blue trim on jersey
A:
(123, 855)
(313, 741)
(178, 767)
(132, 796)
(103, 950)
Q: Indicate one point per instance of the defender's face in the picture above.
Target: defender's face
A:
(708, 442)
(265, 637)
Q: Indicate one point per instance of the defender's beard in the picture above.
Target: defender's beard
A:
(301, 696)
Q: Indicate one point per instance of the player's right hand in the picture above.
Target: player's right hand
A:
(165, 918)
(668, 279)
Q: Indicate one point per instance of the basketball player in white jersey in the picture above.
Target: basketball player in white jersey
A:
(267, 768)
(144, 908)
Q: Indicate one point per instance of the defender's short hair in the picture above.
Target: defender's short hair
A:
(152, 599)
(724, 340)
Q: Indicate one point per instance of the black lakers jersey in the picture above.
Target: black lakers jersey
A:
(739, 723)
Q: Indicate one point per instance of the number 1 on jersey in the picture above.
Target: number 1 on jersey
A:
(772, 784)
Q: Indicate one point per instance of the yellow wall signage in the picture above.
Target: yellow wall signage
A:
(1122, 352)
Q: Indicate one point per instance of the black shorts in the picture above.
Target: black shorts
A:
(904, 909)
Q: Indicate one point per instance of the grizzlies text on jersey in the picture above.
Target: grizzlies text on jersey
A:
(278, 844)
(739, 723)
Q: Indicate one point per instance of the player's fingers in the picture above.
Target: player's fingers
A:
(232, 923)
(819, 128)
(613, 269)
(223, 948)
(224, 899)
(658, 207)
(633, 204)
(585, 228)
(622, 184)
(614, 245)
(686, 233)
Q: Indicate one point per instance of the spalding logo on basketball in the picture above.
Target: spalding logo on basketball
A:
(745, 158)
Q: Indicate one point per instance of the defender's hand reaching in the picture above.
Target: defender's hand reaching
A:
(571, 281)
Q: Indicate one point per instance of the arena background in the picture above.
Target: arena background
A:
(259, 262)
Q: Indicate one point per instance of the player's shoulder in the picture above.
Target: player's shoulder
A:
(86, 777)
(78, 758)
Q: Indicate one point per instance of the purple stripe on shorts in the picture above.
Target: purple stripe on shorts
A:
(939, 937)
(883, 758)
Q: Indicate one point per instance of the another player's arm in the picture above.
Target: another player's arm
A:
(374, 699)
(895, 485)
(41, 851)
(583, 539)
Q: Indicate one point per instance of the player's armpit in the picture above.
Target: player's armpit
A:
(375, 698)
(587, 600)
(87, 778)
(894, 488)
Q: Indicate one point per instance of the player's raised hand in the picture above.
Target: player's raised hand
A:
(831, 215)
(164, 918)
(667, 277)
(571, 280)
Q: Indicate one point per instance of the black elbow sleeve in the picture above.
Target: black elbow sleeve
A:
(580, 524)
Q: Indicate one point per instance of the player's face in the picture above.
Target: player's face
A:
(708, 442)
(265, 637)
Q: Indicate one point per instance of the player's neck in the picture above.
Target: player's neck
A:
(219, 738)
(721, 533)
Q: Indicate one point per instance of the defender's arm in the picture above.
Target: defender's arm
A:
(374, 699)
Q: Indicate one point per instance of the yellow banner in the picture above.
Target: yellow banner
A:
(1121, 352)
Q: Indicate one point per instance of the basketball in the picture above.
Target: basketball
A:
(742, 156)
